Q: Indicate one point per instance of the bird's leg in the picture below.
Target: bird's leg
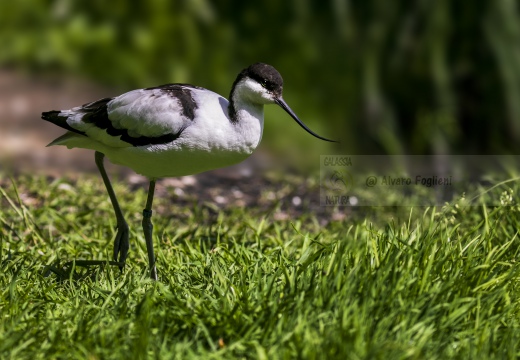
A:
(148, 229)
(121, 243)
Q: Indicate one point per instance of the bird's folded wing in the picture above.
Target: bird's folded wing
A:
(137, 118)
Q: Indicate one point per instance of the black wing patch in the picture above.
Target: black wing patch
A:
(181, 92)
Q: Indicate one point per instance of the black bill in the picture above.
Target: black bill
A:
(286, 107)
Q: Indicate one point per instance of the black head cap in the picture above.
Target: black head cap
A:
(264, 74)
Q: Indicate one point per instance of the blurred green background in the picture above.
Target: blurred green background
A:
(384, 77)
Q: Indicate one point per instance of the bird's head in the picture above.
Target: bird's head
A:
(262, 84)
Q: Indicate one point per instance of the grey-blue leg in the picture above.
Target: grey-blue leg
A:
(121, 243)
(148, 229)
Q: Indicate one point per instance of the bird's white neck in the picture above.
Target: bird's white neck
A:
(247, 117)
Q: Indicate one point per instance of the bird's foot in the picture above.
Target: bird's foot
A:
(148, 230)
(121, 243)
(121, 247)
(65, 271)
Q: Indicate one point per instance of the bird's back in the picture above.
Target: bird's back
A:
(141, 117)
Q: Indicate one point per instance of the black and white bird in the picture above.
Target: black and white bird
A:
(171, 130)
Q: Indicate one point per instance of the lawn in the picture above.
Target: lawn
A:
(235, 282)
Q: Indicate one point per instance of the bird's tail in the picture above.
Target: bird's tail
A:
(59, 118)
(55, 118)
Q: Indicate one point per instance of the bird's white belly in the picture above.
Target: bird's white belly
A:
(158, 162)
(204, 146)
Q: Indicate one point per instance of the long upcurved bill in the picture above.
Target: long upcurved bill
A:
(286, 107)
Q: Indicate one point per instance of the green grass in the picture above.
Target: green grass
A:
(236, 283)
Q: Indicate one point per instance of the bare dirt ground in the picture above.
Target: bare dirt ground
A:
(23, 136)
